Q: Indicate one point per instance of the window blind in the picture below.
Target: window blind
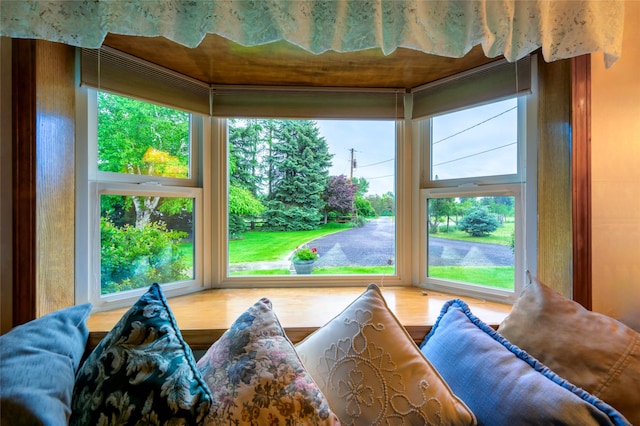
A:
(114, 71)
(488, 83)
(307, 103)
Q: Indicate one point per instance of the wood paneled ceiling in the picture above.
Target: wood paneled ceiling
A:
(220, 61)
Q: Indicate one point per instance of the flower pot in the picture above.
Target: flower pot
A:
(303, 267)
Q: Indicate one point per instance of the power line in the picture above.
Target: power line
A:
(475, 125)
(377, 177)
(379, 162)
(477, 153)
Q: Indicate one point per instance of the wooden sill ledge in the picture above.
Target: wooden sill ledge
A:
(204, 316)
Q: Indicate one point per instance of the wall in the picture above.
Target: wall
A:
(615, 162)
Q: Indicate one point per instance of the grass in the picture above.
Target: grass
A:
(355, 270)
(259, 246)
(186, 251)
(260, 272)
(340, 270)
(501, 236)
(490, 276)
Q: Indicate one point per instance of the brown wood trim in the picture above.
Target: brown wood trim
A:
(581, 177)
(24, 179)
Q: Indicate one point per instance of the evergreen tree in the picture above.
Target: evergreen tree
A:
(299, 165)
(246, 145)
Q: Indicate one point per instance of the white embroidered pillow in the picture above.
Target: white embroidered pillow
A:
(372, 372)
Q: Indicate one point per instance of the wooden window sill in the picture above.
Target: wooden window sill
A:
(204, 316)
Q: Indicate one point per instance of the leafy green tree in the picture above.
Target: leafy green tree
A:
(138, 137)
(440, 209)
(364, 207)
(384, 205)
(362, 184)
(502, 206)
(478, 222)
(241, 203)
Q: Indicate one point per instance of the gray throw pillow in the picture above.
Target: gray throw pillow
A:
(38, 363)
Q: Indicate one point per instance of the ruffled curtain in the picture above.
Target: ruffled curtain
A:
(512, 28)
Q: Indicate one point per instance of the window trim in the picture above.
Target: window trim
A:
(402, 276)
(469, 289)
(526, 178)
(122, 298)
(91, 183)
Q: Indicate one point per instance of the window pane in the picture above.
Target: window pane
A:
(145, 239)
(471, 240)
(141, 138)
(479, 141)
(324, 185)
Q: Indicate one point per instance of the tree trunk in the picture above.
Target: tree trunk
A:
(145, 206)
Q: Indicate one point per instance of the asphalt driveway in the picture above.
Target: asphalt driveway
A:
(373, 245)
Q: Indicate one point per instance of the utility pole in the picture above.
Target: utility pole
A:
(353, 164)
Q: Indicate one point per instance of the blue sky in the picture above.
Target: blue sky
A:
(474, 142)
(373, 143)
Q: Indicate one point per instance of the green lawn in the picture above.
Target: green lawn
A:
(339, 270)
(259, 246)
(490, 276)
(501, 236)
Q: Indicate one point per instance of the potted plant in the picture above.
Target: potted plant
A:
(303, 259)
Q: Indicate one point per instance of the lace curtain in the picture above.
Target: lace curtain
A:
(512, 28)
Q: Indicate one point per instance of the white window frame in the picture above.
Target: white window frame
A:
(91, 184)
(522, 185)
(402, 275)
(469, 289)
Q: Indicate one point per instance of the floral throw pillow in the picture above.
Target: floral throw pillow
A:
(373, 373)
(142, 372)
(256, 377)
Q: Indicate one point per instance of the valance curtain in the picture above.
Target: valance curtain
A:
(513, 28)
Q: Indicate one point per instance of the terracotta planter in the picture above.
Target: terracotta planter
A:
(303, 267)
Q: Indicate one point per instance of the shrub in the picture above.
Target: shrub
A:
(478, 223)
(237, 225)
(359, 222)
(279, 217)
(133, 257)
(364, 207)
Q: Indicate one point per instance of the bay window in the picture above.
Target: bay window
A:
(197, 186)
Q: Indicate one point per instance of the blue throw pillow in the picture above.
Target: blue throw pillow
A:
(142, 372)
(501, 383)
(38, 363)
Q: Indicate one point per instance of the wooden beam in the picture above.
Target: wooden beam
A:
(24, 179)
(581, 178)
